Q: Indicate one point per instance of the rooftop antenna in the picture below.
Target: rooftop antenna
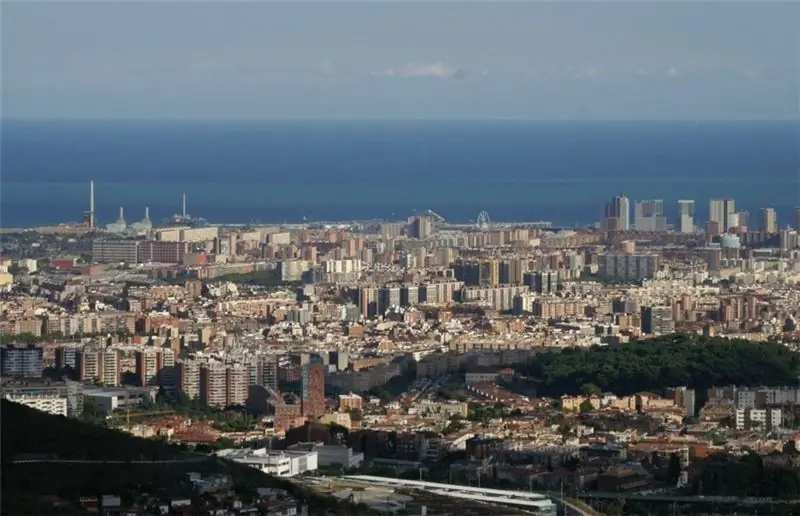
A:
(183, 209)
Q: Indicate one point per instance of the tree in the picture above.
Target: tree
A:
(674, 469)
(667, 361)
(586, 407)
(587, 389)
(615, 508)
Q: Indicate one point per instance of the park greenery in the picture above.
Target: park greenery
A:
(265, 278)
(669, 361)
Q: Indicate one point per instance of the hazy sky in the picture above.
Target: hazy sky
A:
(379, 59)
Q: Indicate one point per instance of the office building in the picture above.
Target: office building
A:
(649, 215)
(313, 390)
(22, 362)
(657, 320)
(115, 251)
(769, 221)
(685, 216)
(723, 212)
(617, 214)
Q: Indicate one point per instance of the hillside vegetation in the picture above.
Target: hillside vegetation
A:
(29, 434)
(668, 361)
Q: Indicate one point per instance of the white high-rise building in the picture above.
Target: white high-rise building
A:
(649, 215)
(685, 216)
(723, 212)
(617, 213)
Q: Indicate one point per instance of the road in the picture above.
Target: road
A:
(691, 499)
(76, 461)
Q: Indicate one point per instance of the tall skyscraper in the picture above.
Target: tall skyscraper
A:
(313, 390)
(769, 221)
(649, 215)
(617, 214)
(685, 216)
(797, 218)
(723, 212)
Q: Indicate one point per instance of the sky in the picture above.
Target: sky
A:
(558, 60)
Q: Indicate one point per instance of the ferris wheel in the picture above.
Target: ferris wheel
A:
(483, 222)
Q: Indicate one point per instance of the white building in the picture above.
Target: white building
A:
(685, 216)
(331, 455)
(470, 378)
(286, 463)
(628, 267)
(50, 404)
(765, 419)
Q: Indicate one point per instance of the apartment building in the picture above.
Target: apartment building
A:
(22, 361)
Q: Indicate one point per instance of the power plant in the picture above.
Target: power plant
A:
(121, 226)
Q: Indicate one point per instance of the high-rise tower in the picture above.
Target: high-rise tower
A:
(685, 216)
(617, 214)
(723, 212)
(88, 217)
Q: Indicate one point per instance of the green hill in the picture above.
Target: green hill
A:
(43, 439)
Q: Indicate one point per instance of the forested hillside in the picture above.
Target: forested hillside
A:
(663, 362)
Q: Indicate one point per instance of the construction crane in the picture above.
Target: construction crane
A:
(129, 415)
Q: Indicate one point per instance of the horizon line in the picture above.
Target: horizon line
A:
(384, 119)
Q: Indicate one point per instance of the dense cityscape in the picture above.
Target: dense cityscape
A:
(637, 366)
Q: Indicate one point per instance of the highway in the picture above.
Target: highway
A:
(690, 499)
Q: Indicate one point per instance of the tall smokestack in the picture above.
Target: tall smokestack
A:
(146, 213)
(183, 209)
(91, 204)
(121, 214)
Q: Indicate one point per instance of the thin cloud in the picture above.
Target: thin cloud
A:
(437, 70)
(592, 71)
(673, 72)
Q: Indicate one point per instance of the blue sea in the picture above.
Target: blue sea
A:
(238, 172)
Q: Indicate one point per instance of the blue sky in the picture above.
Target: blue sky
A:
(383, 60)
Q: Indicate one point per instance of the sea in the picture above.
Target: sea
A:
(315, 171)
